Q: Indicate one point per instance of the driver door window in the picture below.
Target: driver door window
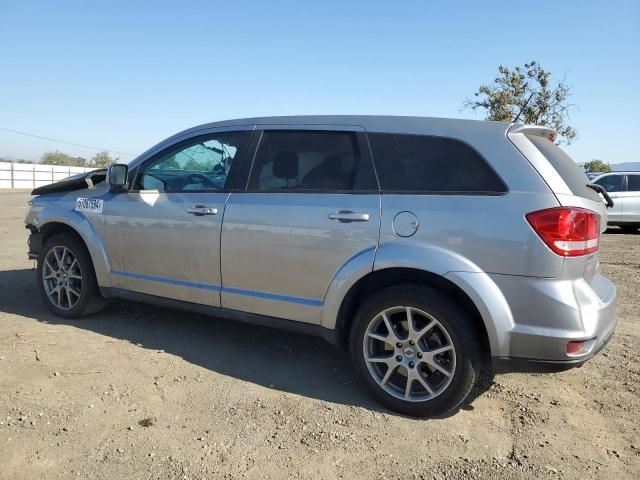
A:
(203, 164)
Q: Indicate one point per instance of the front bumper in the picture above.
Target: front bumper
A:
(34, 242)
(549, 313)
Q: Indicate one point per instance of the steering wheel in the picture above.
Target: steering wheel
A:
(199, 178)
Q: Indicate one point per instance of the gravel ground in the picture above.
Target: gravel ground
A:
(138, 392)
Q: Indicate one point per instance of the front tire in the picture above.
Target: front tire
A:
(66, 278)
(416, 350)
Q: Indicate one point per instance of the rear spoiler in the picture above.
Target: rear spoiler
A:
(546, 132)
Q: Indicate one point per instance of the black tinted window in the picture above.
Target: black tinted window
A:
(200, 164)
(633, 183)
(611, 183)
(572, 175)
(431, 164)
(311, 160)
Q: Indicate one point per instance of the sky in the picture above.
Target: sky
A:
(124, 75)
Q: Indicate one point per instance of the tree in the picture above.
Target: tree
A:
(596, 166)
(16, 160)
(510, 90)
(59, 158)
(103, 160)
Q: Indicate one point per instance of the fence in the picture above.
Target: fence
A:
(28, 175)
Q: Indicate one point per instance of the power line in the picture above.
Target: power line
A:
(65, 142)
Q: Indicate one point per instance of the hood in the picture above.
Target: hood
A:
(74, 182)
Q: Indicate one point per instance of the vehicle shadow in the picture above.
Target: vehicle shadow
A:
(272, 358)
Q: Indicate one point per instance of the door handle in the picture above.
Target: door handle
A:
(200, 210)
(347, 216)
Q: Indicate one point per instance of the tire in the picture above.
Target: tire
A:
(77, 292)
(453, 327)
(629, 228)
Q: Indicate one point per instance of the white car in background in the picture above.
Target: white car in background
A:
(624, 189)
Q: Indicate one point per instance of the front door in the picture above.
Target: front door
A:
(614, 185)
(165, 232)
(311, 205)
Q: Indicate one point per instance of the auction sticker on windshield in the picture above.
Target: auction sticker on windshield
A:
(93, 205)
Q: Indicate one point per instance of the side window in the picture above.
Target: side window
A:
(611, 183)
(305, 160)
(419, 163)
(199, 164)
(633, 182)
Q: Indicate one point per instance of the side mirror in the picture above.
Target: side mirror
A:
(117, 177)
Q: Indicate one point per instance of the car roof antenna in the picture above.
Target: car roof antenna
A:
(523, 107)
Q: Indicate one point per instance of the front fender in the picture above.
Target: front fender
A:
(81, 224)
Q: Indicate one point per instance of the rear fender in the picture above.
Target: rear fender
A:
(477, 285)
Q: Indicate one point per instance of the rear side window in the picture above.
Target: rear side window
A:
(633, 183)
(424, 164)
(611, 183)
(569, 170)
(306, 160)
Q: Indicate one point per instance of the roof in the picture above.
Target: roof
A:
(369, 122)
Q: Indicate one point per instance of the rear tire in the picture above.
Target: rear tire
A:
(66, 278)
(439, 382)
(629, 228)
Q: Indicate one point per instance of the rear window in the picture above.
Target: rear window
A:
(307, 160)
(426, 164)
(569, 170)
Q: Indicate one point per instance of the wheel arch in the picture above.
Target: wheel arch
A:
(84, 231)
(378, 280)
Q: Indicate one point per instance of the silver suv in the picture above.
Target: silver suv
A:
(625, 188)
(429, 248)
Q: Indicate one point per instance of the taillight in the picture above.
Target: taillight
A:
(568, 231)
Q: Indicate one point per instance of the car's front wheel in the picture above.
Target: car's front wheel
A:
(66, 278)
(415, 349)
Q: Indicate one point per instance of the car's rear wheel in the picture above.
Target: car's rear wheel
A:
(629, 228)
(66, 278)
(414, 348)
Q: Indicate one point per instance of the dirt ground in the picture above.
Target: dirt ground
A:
(138, 392)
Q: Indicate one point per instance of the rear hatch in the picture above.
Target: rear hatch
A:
(566, 180)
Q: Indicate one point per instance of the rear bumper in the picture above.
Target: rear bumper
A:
(530, 365)
(549, 313)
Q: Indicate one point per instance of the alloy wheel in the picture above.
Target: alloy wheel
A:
(409, 354)
(62, 277)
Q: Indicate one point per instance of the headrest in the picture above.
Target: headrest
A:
(285, 165)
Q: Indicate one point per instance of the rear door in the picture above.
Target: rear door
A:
(311, 205)
(631, 205)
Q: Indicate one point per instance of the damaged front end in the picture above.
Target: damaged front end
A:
(75, 182)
